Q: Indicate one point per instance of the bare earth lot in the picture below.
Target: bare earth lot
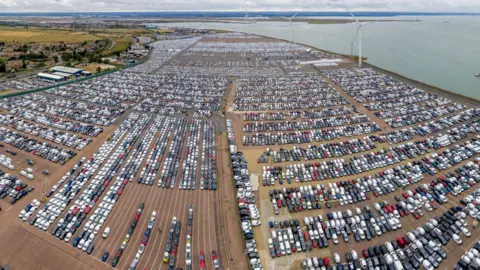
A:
(216, 222)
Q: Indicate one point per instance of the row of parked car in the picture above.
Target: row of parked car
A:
(309, 136)
(103, 181)
(31, 145)
(321, 151)
(208, 170)
(52, 110)
(245, 197)
(294, 115)
(422, 116)
(57, 122)
(339, 167)
(420, 247)
(449, 121)
(291, 92)
(243, 47)
(6, 162)
(168, 175)
(403, 101)
(131, 230)
(57, 136)
(471, 257)
(348, 192)
(67, 188)
(289, 98)
(145, 238)
(154, 157)
(75, 105)
(171, 247)
(162, 51)
(13, 187)
(319, 123)
(188, 92)
(367, 85)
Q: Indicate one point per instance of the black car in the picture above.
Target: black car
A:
(115, 261)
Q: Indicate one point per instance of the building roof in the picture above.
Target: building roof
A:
(49, 76)
(62, 74)
(66, 69)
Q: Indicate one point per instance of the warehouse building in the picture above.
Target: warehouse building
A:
(66, 76)
(68, 70)
(50, 77)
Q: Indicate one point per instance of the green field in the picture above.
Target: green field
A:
(38, 35)
(121, 44)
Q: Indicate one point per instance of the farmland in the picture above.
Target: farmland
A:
(37, 35)
(234, 151)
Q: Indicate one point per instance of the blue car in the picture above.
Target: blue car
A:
(105, 256)
(75, 242)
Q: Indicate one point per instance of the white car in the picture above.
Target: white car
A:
(426, 264)
(466, 232)
(68, 237)
(457, 239)
(106, 232)
(141, 249)
(336, 258)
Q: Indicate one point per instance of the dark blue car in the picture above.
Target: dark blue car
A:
(75, 242)
(105, 256)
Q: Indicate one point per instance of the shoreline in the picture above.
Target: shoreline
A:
(394, 74)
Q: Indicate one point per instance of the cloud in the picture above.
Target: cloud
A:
(238, 5)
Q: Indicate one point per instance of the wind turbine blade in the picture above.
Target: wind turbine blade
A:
(284, 18)
(352, 15)
(293, 16)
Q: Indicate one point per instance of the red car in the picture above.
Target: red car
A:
(202, 260)
(400, 242)
(214, 255)
(145, 240)
(365, 253)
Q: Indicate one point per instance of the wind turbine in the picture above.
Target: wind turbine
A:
(290, 28)
(359, 34)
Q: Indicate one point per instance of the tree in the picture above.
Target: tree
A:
(56, 58)
(99, 69)
(106, 61)
(24, 65)
(84, 43)
(3, 67)
(118, 54)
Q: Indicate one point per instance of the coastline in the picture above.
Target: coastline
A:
(417, 83)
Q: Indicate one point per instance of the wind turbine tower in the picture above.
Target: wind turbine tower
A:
(359, 34)
(290, 28)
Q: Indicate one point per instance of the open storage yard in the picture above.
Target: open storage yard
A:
(234, 151)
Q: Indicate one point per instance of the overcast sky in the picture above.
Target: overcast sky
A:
(238, 5)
